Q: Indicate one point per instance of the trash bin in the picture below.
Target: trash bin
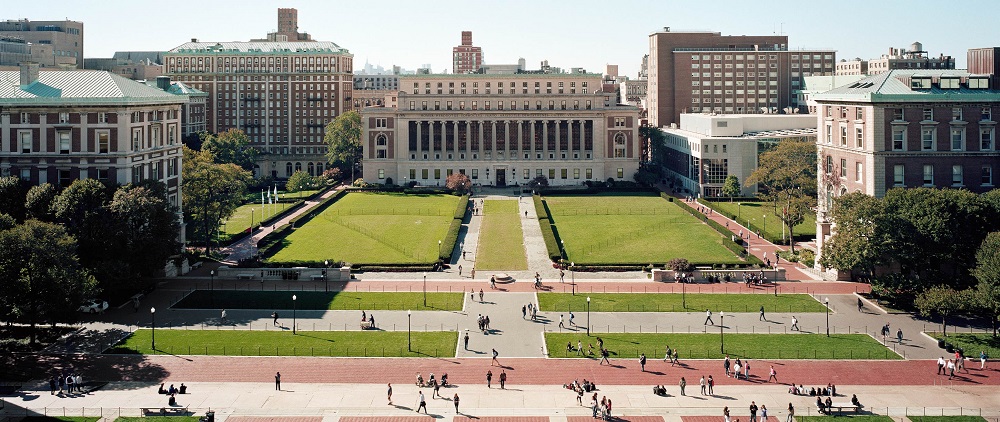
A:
(941, 343)
(209, 416)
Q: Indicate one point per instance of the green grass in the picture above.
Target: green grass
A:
(946, 418)
(239, 222)
(284, 343)
(61, 419)
(633, 229)
(373, 228)
(844, 418)
(706, 346)
(671, 302)
(282, 300)
(501, 241)
(755, 211)
(972, 344)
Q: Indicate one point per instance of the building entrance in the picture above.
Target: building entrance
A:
(501, 178)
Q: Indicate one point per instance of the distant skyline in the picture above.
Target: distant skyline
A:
(579, 33)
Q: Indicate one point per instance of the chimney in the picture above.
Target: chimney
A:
(29, 73)
(163, 82)
(194, 40)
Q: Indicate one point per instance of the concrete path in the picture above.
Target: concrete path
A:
(468, 242)
(534, 244)
(509, 333)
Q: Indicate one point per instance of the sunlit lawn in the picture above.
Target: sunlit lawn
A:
(501, 241)
(282, 300)
(671, 302)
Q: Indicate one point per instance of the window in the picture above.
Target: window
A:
(136, 139)
(928, 175)
(103, 142)
(926, 139)
(859, 113)
(986, 114)
(897, 114)
(563, 173)
(956, 113)
(621, 173)
(576, 173)
(590, 174)
(619, 122)
(25, 118)
(423, 174)
(26, 174)
(986, 139)
(898, 139)
(829, 134)
(897, 175)
(956, 175)
(859, 169)
(64, 142)
(552, 174)
(381, 173)
(527, 174)
(859, 137)
(26, 142)
(843, 168)
(63, 117)
(437, 174)
(102, 117)
(380, 123)
(957, 139)
(413, 174)
(843, 135)
(928, 114)
(987, 176)
(475, 174)
(620, 145)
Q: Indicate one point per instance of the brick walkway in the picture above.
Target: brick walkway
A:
(502, 419)
(381, 419)
(617, 417)
(288, 419)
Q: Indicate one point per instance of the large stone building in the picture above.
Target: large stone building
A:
(136, 65)
(707, 148)
(53, 43)
(281, 93)
(691, 72)
(500, 130)
(906, 128)
(59, 126)
(466, 58)
(898, 58)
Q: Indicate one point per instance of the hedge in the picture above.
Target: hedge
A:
(319, 208)
(591, 190)
(462, 208)
(727, 239)
(448, 246)
(753, 227)
(540, 209)
(549, 233)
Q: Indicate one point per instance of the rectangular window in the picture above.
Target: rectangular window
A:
(897, 175)
(956, 175)
(576, 173)
(928, 114)
(986, 139)
(859, 169)
(26, 142)
(563, 173)
(380, 122)
(424, 174)
(829, 133)
(437, 174)
(843, 135)
(590, 174)
(986, 114)
(552, 174)
(926, 139)
(63, 117)
(898, 136)
(527, 174)
(413, 174)
(928, 175)
(957, 139)
(896, 113)
(475, 174)
(859, 137)
(102, 117)
(956, 113)
(103, 142)
(381, 173)
(843, 168)
(859, 113)
(987, 176)
(64, 142)
(621, 173)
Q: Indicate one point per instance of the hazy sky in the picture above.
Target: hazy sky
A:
(569, 33)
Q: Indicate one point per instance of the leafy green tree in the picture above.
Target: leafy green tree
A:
(786, 177)
(942, 301)
(12, 193)
(211, 192)
(731, 187)
(81, 209)
(38, 201)
(299, 181)
(459, 183)
(539, 182)
(230, 147)
(987, 272)
(40, 275)
(343, 138)
(7, 222)
(146, 228)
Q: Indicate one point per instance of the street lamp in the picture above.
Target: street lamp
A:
(765, 224)
(722, 334)
(826, 301)
(326, 284)
(152, 318)
(739, 211)
(211, 285)
(572, 273)
(683, 293)
(588, 316)
(409, 317)
(293, 313)
(439, 248)
(425, 289)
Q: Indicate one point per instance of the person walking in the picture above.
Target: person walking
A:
(473, 273)
(571, 323)
(711, 386)
(668, 355)
(275, 316)
(762, 317)
(524, 312)
(791, 413)
(422, 404)
(579, 348)
(982, 359)
(683, 384)
(861, 305)
(562, 275)
(763, 410)
(899, 335)
(642, 362)
(772, 375)
(795, 323)
(480, 295)
(708, 318)
(277, 381)
(746, 369)
(389, 394)
(466, 339)
(455, 399)
(725, 414)
(503, 379)
(726, 365)
(753, 411)
(223, 318)
(701, 383)
(940, 365)
(495, 354)
(460, 269)
(52, 386)
(561, 321)
(951, 368)
(489, 378)
(604, 357)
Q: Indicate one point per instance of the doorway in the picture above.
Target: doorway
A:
(501, 178)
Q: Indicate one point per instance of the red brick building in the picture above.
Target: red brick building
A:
(466, 58)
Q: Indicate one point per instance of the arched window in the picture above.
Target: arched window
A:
(288, 169)
(620, 138)
(312, 170)
(380, 140)
(298, 166)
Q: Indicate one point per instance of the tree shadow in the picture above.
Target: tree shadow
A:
(108, 368)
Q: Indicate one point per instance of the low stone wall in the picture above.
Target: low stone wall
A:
(667, 276)
(272, 274)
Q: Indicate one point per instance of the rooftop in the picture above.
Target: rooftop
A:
(257, 47)
(80, 87)
(897, 86)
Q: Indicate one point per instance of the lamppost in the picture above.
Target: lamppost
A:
(409, 317)
(425, 289)
(722, 334)
(293, 313)
(152, 318)
(826, 301)
(326, 284)
(588, 316)
(211, 288)
(765, 224)
(439, 248)
(739, 211)
(683, 293)
(251, 220)
(572, 273)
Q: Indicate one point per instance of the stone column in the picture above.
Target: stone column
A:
(454, 136)
(558, 139)
(569, 144)
(420, 148)
(545, 139)
(430, 139)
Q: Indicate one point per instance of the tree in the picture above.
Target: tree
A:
(7, 222)
(211, 192)
(731, 187)
(987, 272)
(80, 208)
(146, 227)
(299, 181)
(680, 265)
(942, 301)
(539, 182)
(333, 175)
(38, 202)
(459, 183)
(12, 193)
(343, 138)
(787, 178)
(230, 147)
(40, 275)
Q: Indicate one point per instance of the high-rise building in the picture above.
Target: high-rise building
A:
(501, 130)
(135, 65)
(281, 93)
(985, 61)
(898, 58)
(691, 72)
(53, 43)
(466, 58)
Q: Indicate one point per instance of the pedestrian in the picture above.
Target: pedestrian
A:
(725, 414)
(62, 383)
(701, 383)
(762, 317)
(600, 343)
(746, 369)
(437, 388)
(791, 413)
(503, 379)
(463, 254)
(480, 295)
(223, 316)
(455, 399)
(579, 348)
(593, 405)
(683, 384)
(571, 316)
(795, 323)
(861, 305)
(561, 321)
(708, 317)
(473, 273)
(668, 356)
(951, 368)
(711, 386)
(982, 359)
(726, 365)
(673, 359)
(275, 316)
(422, 403)
(460, 269)
(466, 339)
(899, 335)
(753, 411)
(489, 378)
(772, 375)
(69, 383)
(642, 362)
(277, 381)
(495, 354)
(763, 413)
(493, 282)
(604, 357)
(940, 364)
(52, 386)
(524, 312)
(562, 274)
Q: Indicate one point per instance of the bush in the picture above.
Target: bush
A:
(360, 183)
(551, 244)
(540, 210)
(462, 208)
(448, 245)
(680, 265)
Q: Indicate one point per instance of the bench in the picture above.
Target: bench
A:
(367, 325)
(244, 276)
(841, 407)
(164, 411)
(317, 277)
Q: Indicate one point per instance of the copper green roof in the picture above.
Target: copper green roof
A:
(892, 86)
(258, 47)
(80, 87)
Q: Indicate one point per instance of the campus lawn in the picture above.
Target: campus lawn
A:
(755, 212)
(373, 228)
(633, 229)
(61, 419)
(671, 302)
(946, 418)
(972, 344)
(284, 343)
(844, 418)
(240, 220)
(501, 241)
(315, 301)
(706, 346)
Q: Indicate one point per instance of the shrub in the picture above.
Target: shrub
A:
(680, 265)
(540, 208)
(360, 183)
(448, 245)
(462, 208)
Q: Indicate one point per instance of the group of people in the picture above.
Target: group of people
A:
(751, 279)
(71, 383)
(737, 368)
(950, 366)
(671, 355)
(529, 310)
(433, 383)
(171, 390)
(829, 390)
(503, 377)
(484, 323)
(368, 320)
(602, 408)
(585, 387)
(886, 332)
